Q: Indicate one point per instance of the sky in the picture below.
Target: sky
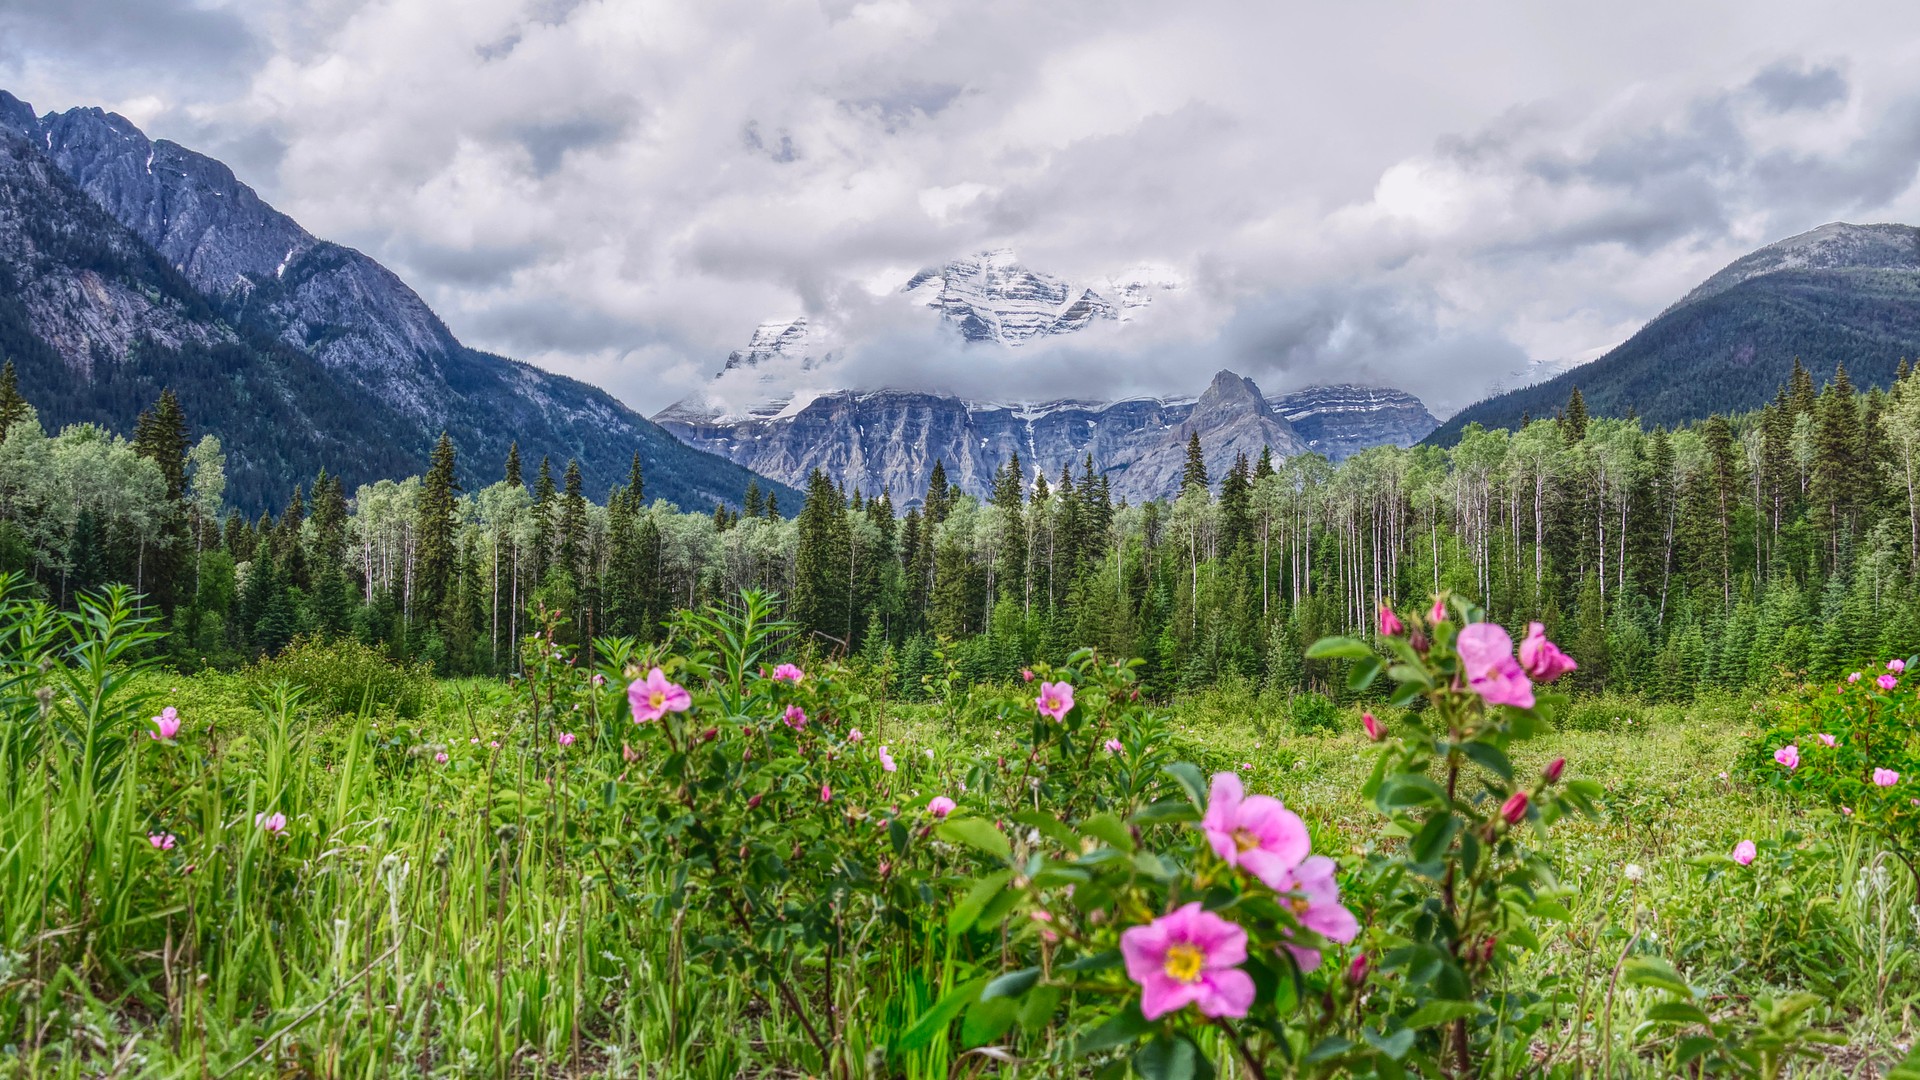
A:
(1428, 196)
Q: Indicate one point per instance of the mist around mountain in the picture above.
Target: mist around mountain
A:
(133, 265)
(1839, 294)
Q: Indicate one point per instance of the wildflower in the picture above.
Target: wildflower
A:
(754, 802)
(656, 697)
(1743, 852)
(886, 760)
(1026, 674)
(1055, 700)
(475, 741)
(1113, 746)
(160, 840)
(1374, 730)
(1885, 778)
(796, 717)
(1854, 678)
(1633, 872)
(493, 744)
(1044, 917)
(1826, 739)
(854, 736)
(1189, 957)
(789, 674)
(1542, 659)
(166, 725)
(1788, 755)
(1887, 682)
(1314, 897)
(275, 823)
(628, 753)
(1390, 625)
(1256, 834)
(1846, 811)
(940, 806)
(566, 738)
(1896, 666)
(826, 793)
(1515, 808)
(441, 757)
(1723, 774)
(1357, 970)
(599, 679)
(1486, 652)
(1439, 612)
(928, 753)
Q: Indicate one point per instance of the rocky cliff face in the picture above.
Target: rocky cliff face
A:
(1340, 421)
(371, 372)
(991, 297)
(889, 439)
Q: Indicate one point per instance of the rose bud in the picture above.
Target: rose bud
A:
(1419, 641)
(1390, 625)
(1374, 730)
(1357, 971)
(1515, 808)
(753, 803)
(1554, 770)
(710, 734)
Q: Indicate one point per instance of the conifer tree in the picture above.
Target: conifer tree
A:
(1573, 418)
(820, 562)
(573, 522)
(13, 407)
(434, 532)
(513, 464)
(1195, 472)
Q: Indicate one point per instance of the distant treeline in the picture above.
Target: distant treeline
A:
(1655, 555)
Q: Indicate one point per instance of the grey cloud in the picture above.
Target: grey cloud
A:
(143, 33)
(1789, 84)
(548, 141)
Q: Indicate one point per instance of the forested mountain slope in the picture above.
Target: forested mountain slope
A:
(1840, 294)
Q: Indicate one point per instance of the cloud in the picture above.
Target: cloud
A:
(622, 192)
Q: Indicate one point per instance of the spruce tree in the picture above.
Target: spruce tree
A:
(1195, 472)
(754, 504)
(637, 482)
(13, 407)
(573, 522)
(434, 532)
(513, 464)
(820, 561)
(1573, 418)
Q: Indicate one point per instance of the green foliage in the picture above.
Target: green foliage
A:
(345, 677)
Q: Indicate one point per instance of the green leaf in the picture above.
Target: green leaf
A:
(1411, 789)
(1432, 839)
(1100, 961)
(1909, 1069)
(1436, 1013)
(1190, 780)
(1171, 1057)
(1363, 673)
(978, 833)
(962, 917)
(934, 1021)
(1679, 1012)
(1655, 972)
(1394, 1046)
(987, 1021)
(1339, 648)
(1039, 1007)
(1120, 1029)
(1489, 757)
(1050, 827)
(1109, 830)
(1012, 984)
(1164, 811)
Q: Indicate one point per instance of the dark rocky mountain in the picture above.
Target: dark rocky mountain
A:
(168, 271)
(1840, 294)
(889, 439)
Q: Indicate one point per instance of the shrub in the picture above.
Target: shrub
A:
(342, 675)
(1313, 714)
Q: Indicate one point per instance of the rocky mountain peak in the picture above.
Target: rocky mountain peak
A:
(1837, 245)
(17, 118)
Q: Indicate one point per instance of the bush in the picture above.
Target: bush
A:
(342, 675)
(1313, 714)
(1605, 712)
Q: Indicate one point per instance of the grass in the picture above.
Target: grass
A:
(426, 921)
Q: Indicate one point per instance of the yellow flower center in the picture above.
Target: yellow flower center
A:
(1299, 904)
(657, 698)
(1184, 962)
(1245, 840)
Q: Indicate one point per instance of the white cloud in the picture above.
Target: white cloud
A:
(1425, 196)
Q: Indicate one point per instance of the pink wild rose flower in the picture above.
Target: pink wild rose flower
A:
(1189, 957)
(1114, 746)
(1372, 726)
(1896, 666)
(566, 738)
(1256, 834)
(1439, 613)
(1887, 682)
(1885, 778)
(1826, 740)
(1390, 625)
(1486, 652)
(1541, 658)
(940, 806)
(854, 736)
(273, 824)
(1854, 678)
(1055, 700)
(886, 760)
(1743, 852)
(796, 717)
(162, 841)
(826, 793)
(1788, 755)
(654, 697)
(1314, 897)
(787, 673)
(166, 725)
(441, 757)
